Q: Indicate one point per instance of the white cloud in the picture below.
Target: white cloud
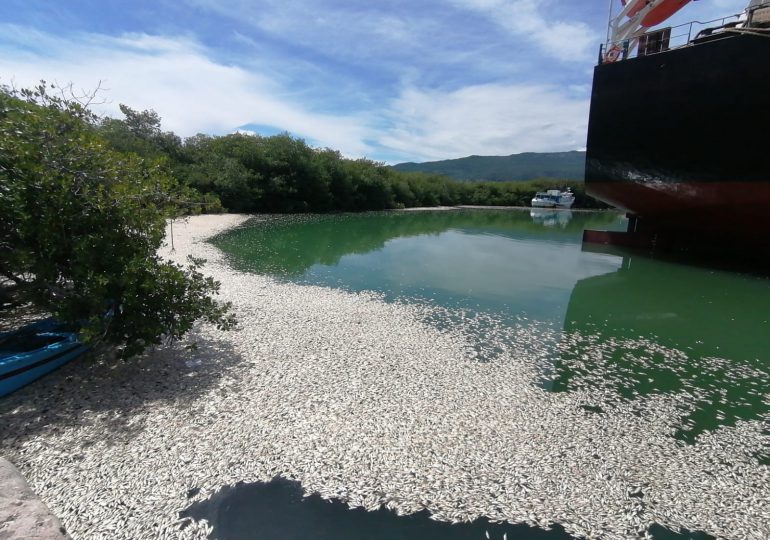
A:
(175, 77)
(533, 20)
(486, 120)
(352, 32)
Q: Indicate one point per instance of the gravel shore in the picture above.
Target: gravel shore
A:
(365, 401)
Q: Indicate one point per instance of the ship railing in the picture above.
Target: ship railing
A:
(672, 37)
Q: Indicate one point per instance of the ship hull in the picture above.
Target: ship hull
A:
(678, 139)
(715, 207)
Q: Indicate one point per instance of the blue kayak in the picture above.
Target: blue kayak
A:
(32, 351)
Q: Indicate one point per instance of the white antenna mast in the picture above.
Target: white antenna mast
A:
(609, 20)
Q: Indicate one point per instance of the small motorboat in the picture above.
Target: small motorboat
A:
(553, 198)
(34, 350)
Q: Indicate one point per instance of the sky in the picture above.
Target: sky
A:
(389, 80)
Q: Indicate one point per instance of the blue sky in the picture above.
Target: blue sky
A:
(391, 80)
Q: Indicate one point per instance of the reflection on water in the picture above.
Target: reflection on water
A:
(705, 313)
(278, 511)
(482, 260)
(550, 217)
(664, 327)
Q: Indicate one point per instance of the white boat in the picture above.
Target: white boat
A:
(553, 198)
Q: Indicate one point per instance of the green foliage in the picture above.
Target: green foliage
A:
(140, 134)
(521, 193)
(81, 223)
(516, 167)
(282, 174)
(83, 204)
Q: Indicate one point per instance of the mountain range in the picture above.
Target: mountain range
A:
(516, 167)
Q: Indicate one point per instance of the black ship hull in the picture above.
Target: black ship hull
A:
(679, 138)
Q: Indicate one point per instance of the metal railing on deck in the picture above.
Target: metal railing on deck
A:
(672, 37)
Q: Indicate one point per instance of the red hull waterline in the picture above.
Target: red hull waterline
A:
(740, 208)
(709, 221)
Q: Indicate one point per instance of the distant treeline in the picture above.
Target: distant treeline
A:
(516, 167)
(278, 174)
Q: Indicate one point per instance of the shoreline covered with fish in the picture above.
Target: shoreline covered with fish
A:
(365, 401)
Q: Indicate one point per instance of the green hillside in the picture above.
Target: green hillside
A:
(526, 166)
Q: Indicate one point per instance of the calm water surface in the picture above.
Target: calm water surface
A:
(505, 262)
(666, 327)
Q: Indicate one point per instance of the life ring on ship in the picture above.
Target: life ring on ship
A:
(613, 53)
(662, 12)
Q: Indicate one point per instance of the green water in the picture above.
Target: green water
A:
(492, 261)
(657, 326)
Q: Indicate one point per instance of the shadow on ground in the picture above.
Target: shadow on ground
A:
(95, 385)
